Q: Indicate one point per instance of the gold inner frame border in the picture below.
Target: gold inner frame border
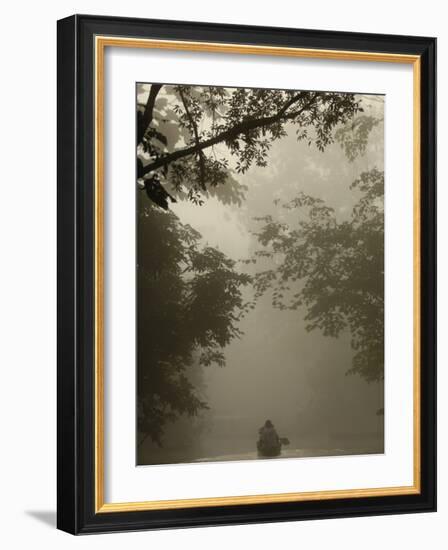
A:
(101, 43)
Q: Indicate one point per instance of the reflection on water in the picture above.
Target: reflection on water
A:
(289, 453)
(235, 439)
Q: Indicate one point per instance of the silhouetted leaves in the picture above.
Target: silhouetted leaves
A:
(189, 303)
(157, 193)
(215, 124)
(354, 135)
(332, 270)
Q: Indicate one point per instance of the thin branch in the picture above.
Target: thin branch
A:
(148, 113)
(196, 137)
(232, 133)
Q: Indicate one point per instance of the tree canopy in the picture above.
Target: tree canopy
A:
(190, 138)
(332, 269)
(189, 304)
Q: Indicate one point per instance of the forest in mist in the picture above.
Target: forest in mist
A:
(260, 272)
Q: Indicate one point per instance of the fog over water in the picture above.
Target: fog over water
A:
(278, 370)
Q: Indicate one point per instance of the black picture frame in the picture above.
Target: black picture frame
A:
(76, 286)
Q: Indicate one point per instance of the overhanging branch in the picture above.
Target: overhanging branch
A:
(232, 133)
(148, 113)
(197, 140)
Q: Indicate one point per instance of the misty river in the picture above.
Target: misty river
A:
(234, 438)
(277, 369)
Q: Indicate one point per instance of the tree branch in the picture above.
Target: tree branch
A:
(231, 133)
(146, 119)
(196, 137)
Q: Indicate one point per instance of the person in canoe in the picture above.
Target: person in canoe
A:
(269, 443)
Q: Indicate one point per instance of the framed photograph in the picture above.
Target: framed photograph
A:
(246, 274)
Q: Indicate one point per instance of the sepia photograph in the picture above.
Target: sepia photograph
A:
(260, 274)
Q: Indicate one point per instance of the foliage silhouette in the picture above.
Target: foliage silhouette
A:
(187, 134)
(333, 269)
(189, 304)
